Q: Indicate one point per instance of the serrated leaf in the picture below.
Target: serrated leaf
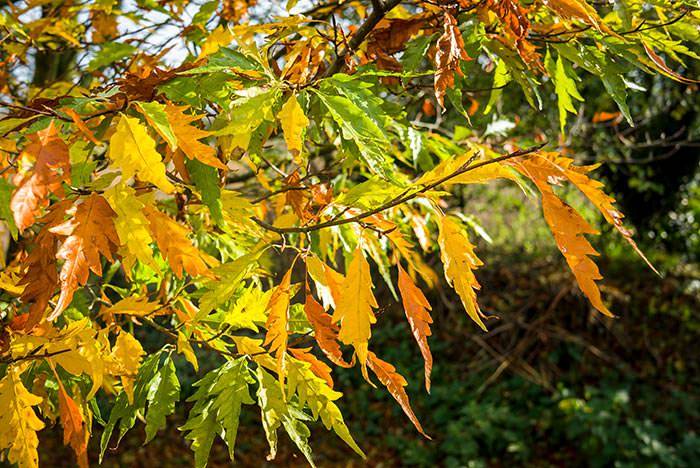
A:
(163, 394)
(133, 150)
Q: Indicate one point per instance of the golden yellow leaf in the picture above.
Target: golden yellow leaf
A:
(185, 348)
(460, 261)
(131, 226)
(354, 308)
(127, 355)
(294, 122)
(133, 150)
(18, 421)
(219, 38)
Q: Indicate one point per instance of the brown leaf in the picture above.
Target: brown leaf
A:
(512, 15)
(90, 232)
(395, 383)
(659, 62)
(417, 310)
(51, 168)
(450, 51)
(41, 275)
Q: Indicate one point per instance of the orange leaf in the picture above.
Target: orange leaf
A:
(188, 136)
(51, 168)
(90, 232)
(450, 50)
(278, 322)
(174, 245)
(417, 310)
(318, 367)
(80, 123)
(395, 383)
(567, 225)
(75, 432)
(512, 15)
(325, 331)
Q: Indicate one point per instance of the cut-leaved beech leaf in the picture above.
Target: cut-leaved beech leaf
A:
(325, 330)
(354, 308)
(450, 52)
(395, 383)
(417, 310)
(460, 261)
(568, 226)
(278, 323)
(51, 169)
(90, 232)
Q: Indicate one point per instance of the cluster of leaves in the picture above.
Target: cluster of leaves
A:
(142, 193)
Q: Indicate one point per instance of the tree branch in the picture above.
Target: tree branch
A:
(379, 10)
(403, 198)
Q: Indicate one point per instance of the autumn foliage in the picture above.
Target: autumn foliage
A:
(241, 187)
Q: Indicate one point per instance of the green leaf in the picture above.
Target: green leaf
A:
(122, 412)
(564, 86)
(276, 412)
(315, 393)
(357, 126)
(206, 179)
(6, 190)
(217, 408)
(230, 276)
(109, 53)
(163, 394)
(157, 118)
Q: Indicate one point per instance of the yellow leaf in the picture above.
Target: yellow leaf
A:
(278, 322)
(328, 281)
(479, 175)
(127, 354)
(134, 151)
(131, 226)
(9, 279)
(18, 421)
(185, 348)
(188, 136)
(294, 122)
(417, 310)
(460, 261)
(219, 38)
(133, 305)
(354, 308)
